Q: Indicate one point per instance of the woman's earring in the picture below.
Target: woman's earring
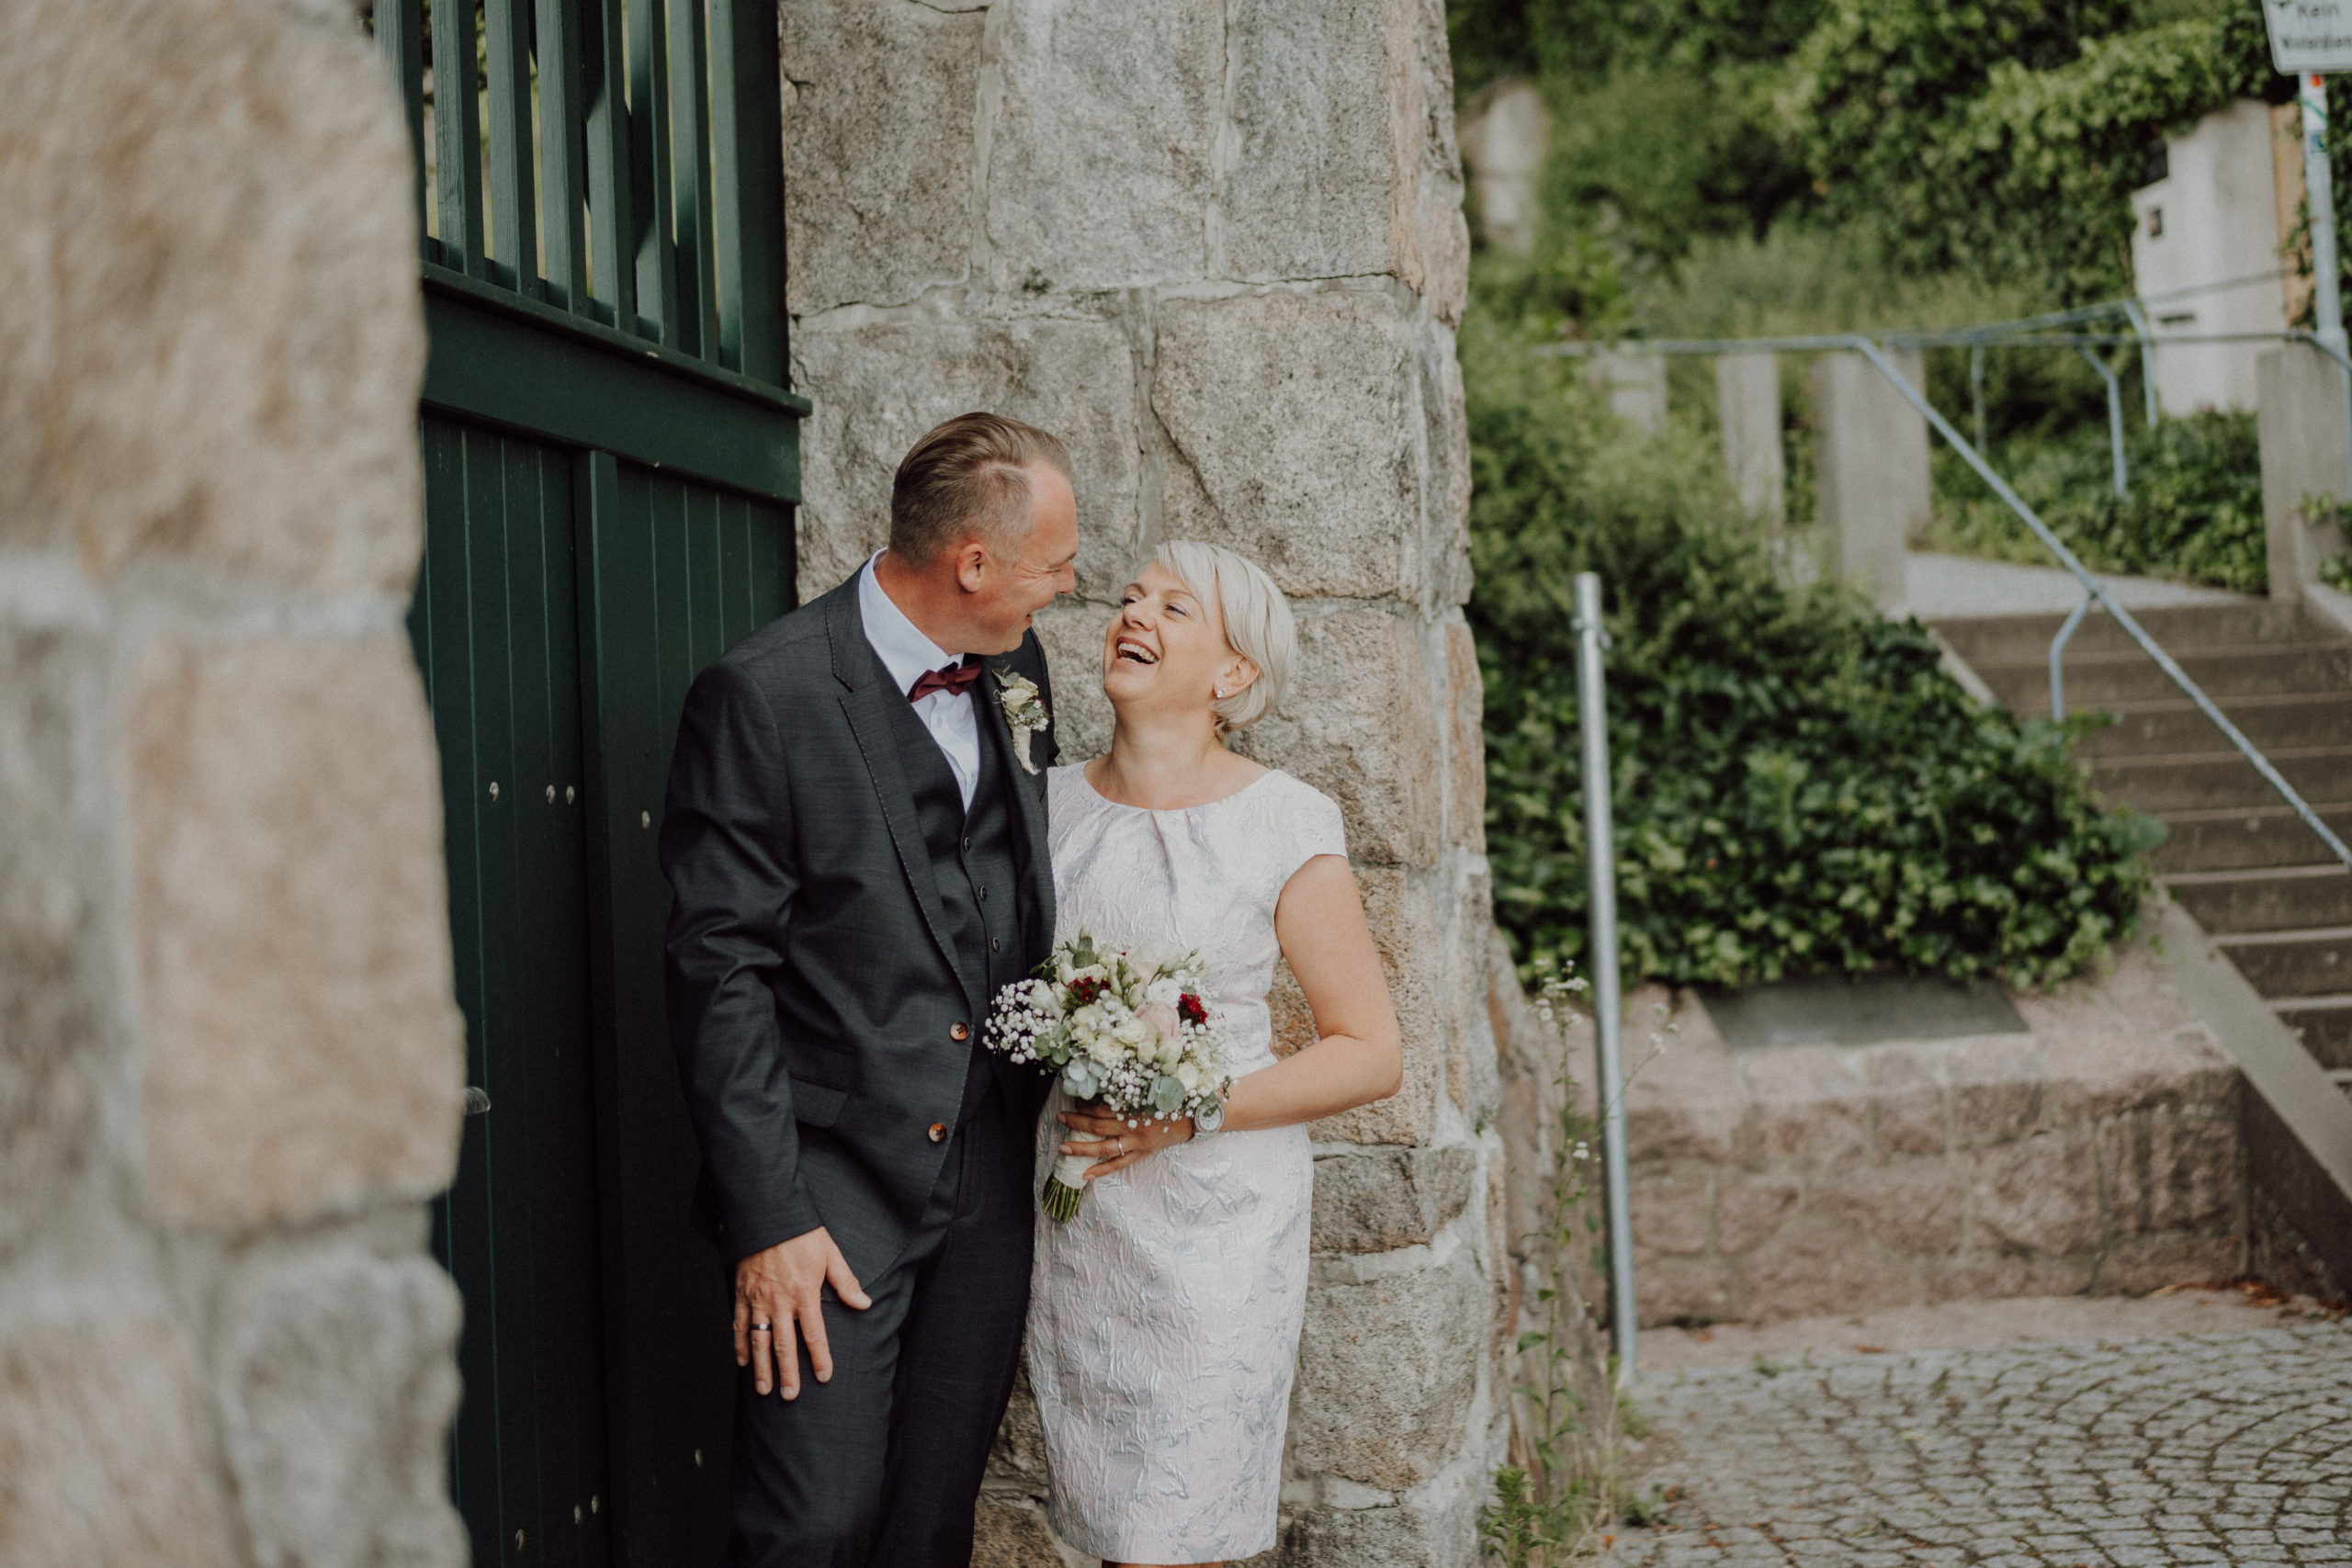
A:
(1220, 693)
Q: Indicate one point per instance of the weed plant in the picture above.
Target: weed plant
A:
(1799, 786)
(1567, 1484)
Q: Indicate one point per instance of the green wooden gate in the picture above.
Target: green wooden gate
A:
(610, 457)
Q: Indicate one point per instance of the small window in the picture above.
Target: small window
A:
(2155, 223)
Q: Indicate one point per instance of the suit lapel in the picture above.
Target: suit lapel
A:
(1029, 791)
(866, 705)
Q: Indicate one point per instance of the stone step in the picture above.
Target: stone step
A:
(2271, 723)
(2247, 839)
(2324, 1026)
(2280, 898)
(2102, 679)
(2314, 963)
(2006, 640)
(2202, 780)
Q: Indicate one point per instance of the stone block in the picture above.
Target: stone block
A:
(2300, 403)
(1998, 1086)
(1811, 1103)
(49, 1007)
(1996, 1276)
(1072, 631)
(1447, 494)
(1747, 408)
(1017, 1456)
(1915, 1206)
(1292, 434)
(2039, 1194)
(100, 1462)
(1008, 1534)
(879, 142)
(336, 1388)
(1402, 912)
(1466, 742)
(1360, 723)
(2137, 1265)
(884, 385)
(1384, 1385)
(1326, 108)
(2134, 1047)
(1812, 1266)
(1669, 1210)
(1681, 1290)
(1906, 1100)
(2163, 1172)
(1100, 155)
(304, 1050)
(218, 363)
(1377, 1202)
(1748, 1209)
(1687, 1103)
(1417, 1533)
(1473, 1064)
(1870, 463)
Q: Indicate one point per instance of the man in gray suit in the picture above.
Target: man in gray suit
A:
(856, 839)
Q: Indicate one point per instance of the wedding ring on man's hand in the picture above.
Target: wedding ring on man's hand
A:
(760, 1329)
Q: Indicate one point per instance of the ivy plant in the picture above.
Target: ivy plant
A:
(1799, 786)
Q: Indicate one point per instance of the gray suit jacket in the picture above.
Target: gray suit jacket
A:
(813, 1002)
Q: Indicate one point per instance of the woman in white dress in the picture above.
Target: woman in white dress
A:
(1163, 1320)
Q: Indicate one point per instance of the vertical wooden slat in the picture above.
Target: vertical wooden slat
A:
(771, 561)
(648, 159)
(612, 219)
(690, 175)
(562, 152)
(400, 33)
(514, 210)
(747, 138)
(456, 131)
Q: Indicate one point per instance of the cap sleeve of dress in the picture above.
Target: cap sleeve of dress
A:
(1315, 826)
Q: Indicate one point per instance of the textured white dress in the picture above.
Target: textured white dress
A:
(1163, 1320)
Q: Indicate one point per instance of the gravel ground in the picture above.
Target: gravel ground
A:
(2176, 1448)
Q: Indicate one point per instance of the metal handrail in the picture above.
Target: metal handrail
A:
(1871, 349)
(1943, 427)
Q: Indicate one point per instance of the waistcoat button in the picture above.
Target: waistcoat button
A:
(938, 1134)
(959, 1030)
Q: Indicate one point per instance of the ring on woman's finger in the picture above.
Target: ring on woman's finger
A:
(1120, 1145)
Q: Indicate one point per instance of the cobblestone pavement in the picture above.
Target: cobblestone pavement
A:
(2185, 1449)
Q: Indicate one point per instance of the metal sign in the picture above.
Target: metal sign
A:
(2309, 35)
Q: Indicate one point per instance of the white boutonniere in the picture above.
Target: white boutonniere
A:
(1025, 710)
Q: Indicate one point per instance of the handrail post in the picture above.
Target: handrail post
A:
(2139, 320)
(2057, 652)
(2114, 417)
(1608, 1009)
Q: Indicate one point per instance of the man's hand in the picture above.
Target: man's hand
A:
(777, 1305)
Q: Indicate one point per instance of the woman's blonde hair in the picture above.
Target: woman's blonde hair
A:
(1258, 623)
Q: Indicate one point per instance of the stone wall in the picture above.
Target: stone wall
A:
(230, 1064)
(1216, 245)
(2099, 1153)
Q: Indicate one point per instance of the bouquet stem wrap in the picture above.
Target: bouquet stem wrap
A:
(1067, 1186)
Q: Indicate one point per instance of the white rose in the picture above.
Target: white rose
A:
(1103, 1047)
(1162, 992)
(1132, 1032)
(1189, 1076)
(1089, 1020)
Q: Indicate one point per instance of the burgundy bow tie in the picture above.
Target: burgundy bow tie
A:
(955, 680)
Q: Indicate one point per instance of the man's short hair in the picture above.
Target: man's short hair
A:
(969, 476)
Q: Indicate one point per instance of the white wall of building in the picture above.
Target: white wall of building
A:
(2214, 216)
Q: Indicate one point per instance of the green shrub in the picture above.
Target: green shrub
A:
(1799, 786)
(2193, 511)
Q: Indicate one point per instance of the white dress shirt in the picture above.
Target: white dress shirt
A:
(906, 653)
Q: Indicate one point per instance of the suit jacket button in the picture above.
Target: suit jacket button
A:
(959, 1031)
(938, 1134)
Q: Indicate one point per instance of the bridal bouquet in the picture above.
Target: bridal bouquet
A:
(1126, 1030)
